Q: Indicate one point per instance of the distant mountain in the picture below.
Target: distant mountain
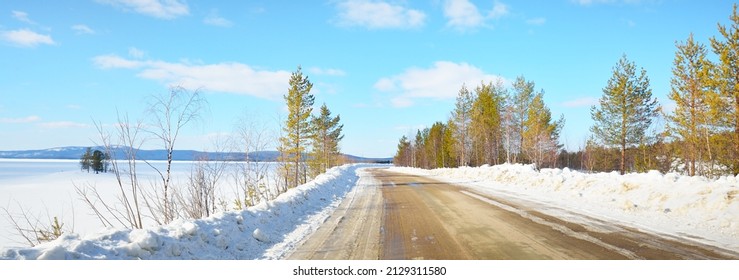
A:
(179, 155)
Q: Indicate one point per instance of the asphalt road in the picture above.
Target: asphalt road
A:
(400, 216)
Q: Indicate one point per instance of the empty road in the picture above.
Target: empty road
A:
(400, 216)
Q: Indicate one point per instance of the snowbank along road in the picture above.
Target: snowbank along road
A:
(393, 215)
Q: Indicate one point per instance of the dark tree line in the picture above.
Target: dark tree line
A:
(95, 160)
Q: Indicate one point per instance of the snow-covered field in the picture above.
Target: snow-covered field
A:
(46, 188)
(691, 207)
(265, 231)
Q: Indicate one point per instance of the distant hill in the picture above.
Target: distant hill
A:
(179, 155)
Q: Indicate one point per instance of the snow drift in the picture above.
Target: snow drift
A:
(265, 231)
(698, 208)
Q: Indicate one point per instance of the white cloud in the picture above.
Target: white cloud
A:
(82, 29)
(536, 21)
(327, 71)
(136, 53)
(378, 15)
(62, 124)
(499, 10)
(463, 14)
(22, 16)
(227, 77)
(27, 38)
(581, 102)
(216, 20)
(114, 61)
(164, 9)
(28, 119)
(441, 81)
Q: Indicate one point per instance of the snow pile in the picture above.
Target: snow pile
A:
(253, 233)
(693, 207)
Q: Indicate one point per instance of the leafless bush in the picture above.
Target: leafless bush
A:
(35, 229)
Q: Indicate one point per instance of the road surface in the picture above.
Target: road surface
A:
(401, 216)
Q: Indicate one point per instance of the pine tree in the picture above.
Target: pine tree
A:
(297, 128)
(486, 123)
(86, 160)
(521, 98)
(326, 135)
(541, 133)
(728, 84)
(691, 121)
(462, 118)
(404, 154)
(626, 109)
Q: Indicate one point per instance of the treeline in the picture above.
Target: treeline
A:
(489, 125)
(631, 131)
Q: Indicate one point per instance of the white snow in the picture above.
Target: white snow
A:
(265, 231)
(696, 208)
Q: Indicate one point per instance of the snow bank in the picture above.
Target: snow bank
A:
(693, 207)
(247, 234)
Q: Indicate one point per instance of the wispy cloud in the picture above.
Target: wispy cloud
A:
(499, 10)
(536, 21)
(28, 119)
(82, 29)
(580, 102)
(378, 15)
(63, 124)
(226, 77)
(327, 71)
(27, 38)
(214, 19)
(464, 15)
(164, 9)
(441, 81)
(22, 16)
(136, 53)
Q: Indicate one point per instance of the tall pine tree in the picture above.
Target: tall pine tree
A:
(691, 121)
(462, 118)
(521, 98)
(326, 135)
(296, 129)
(625, 110)
(541, 133)
(727, 81)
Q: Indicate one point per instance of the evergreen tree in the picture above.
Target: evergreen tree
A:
(86, 160)
(541, 133)
(521, 98)
(625, 110)
(98, 159)
(486, 123)
(326, 135)
(297, 128)
(728, 85)
(462, 118)
(404, 154)
(691, 121)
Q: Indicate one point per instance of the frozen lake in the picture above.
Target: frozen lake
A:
(46, 188)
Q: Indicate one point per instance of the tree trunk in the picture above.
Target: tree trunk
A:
(623, 158)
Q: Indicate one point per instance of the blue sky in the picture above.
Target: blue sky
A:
(387, 67)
